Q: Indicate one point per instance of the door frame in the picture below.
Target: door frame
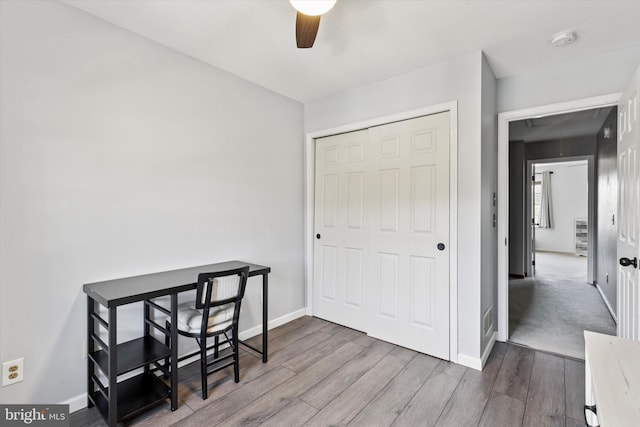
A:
(309, 153)
(503, 186)
(591, 210)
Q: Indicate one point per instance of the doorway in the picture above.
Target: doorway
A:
(551, 307)
(553, 231)
(560, 208)
(560, 195)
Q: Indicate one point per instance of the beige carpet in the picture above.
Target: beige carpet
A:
(550, 311)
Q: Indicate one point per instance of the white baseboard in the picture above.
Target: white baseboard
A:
(80, 402)
(274, 323)
(469, 362)
(606, 303)
(474, 362)
(76, 403)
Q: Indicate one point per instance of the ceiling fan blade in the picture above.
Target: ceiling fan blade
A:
(306, 29)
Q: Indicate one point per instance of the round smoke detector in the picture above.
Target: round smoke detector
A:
(563, 38)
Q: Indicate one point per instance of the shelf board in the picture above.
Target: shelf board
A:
(134, 395)
(133, 354)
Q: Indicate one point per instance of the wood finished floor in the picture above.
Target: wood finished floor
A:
(324, 374)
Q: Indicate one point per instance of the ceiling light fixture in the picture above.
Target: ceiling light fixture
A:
(563, 38)
(313, 7)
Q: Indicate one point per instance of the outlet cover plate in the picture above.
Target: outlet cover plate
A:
(12, 372)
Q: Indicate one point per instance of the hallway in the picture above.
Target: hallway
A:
(550, 311)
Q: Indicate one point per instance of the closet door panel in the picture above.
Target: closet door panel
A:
(409, 216)
(340, 229)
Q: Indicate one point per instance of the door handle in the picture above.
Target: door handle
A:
(318, 236)
(626, 262)
(440, 246)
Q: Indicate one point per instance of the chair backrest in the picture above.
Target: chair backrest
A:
(222, 287)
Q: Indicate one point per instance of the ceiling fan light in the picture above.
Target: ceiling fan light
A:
(313, 7)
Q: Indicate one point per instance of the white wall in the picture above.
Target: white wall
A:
(121, 157)
(489, 237)
(606, 230)
(569, 195)
(458, 79)
(596, 75)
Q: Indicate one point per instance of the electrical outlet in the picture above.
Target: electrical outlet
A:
(12, 372)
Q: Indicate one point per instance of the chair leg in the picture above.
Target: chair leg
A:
(215, 348)
(203, 367)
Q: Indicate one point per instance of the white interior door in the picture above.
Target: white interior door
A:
(629, 212)
(408, 286)
(340, 229)
(532, 223)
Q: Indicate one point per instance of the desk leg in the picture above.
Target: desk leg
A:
(174, 352)
(265, 317)
(113, 368)
(146, 314)
(265, 321)
(90, 347)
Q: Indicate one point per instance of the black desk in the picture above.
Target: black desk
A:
(117, 400)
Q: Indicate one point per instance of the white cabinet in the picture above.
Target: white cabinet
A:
(612, 380)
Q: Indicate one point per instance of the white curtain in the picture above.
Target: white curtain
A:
(546, 209)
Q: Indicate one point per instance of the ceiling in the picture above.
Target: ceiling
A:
(559, 126)
(364, 41)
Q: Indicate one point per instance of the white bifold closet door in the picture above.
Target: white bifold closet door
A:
(381, 257)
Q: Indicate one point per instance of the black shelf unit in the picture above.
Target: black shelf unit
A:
(134, 395)
(132, 354)
(117, 398)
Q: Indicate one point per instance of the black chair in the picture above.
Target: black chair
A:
(215, 313)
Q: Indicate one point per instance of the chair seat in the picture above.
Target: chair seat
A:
(190, 318)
